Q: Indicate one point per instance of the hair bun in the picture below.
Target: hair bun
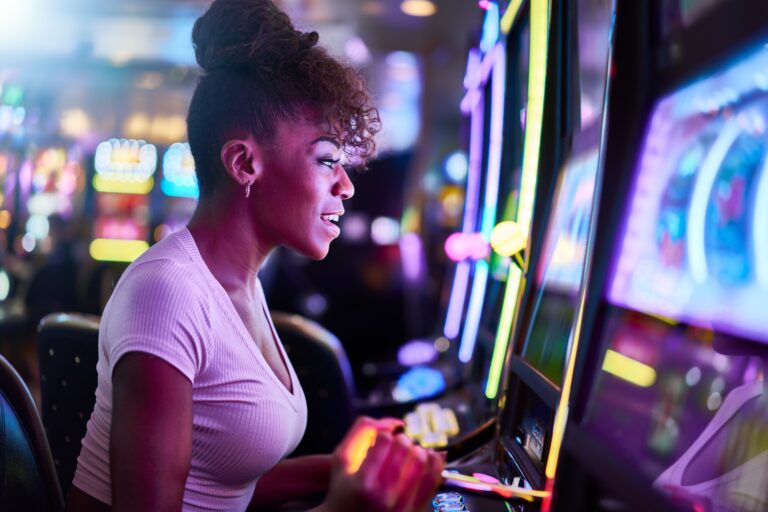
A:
(247, 35)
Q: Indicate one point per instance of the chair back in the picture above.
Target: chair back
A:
(67, 353)
(326, 377)
(28, 479)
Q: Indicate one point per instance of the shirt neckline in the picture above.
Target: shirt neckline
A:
(189, 244)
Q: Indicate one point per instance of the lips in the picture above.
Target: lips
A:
(330, 220)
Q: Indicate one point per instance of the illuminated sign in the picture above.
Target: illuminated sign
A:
(125, 166)
(179, 178)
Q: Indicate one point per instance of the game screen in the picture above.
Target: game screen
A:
(681, 392)
(695, 244)
(559, 273)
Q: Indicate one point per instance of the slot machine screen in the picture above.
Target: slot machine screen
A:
(695, 245)
(558, 277)
(680, 391)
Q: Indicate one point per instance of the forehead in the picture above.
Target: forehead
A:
(304, 132)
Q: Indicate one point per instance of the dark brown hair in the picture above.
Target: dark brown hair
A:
(259, 69)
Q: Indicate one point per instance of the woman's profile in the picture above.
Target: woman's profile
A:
(197, 403)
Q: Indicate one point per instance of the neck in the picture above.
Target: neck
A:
(227, 238)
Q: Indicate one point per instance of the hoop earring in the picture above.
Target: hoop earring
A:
(247, 190)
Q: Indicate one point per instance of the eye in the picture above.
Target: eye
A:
(329, 162)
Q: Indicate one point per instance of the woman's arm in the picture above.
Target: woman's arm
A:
(293, 479)
(151, 437)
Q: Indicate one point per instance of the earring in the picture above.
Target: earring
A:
(247, 190)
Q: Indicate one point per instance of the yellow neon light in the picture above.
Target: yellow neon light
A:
(537, 75)
(628, 369)
(535, 111)
(108, 249)
(508, 238)
(509, 16)
(102, 184)
(508, 309)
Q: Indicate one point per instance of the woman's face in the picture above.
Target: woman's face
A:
(299, 195)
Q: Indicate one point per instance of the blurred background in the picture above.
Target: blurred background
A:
(94, 166)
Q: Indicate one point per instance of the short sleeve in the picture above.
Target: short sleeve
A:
(158, 308)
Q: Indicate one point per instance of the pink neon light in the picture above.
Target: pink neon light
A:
(411, 252)
(467, 246)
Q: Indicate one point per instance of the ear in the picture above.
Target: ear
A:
(242, 159)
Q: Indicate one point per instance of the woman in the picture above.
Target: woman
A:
(197, 403)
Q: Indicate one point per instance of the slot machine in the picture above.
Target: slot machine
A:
(670, 408)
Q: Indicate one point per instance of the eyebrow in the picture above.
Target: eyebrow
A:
(325, 138)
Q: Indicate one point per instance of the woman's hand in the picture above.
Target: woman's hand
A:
(378, 470)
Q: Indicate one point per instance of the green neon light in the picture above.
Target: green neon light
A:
(537, 77)
(509, 16)
(502, 335)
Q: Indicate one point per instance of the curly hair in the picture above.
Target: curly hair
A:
(259, 69)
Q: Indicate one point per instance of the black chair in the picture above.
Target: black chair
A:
(28, 478)
(67, 354)
(326, 377)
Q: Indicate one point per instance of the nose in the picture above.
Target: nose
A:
(343, 187)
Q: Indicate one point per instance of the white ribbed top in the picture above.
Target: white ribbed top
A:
(168, 304)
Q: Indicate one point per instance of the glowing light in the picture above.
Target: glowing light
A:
(628, 369)
(357, 50)
(490, 27)
(535, 110)
(38, 226)
(508, 238)
(354, 227)
(124, 160)
(5, 219)
(760, 228)
(102, 184)
(501, 343)
(74, 123)
(472, 322)
(442, 344)
(5, 285)
(509, 16)
(418, 383)
(179, 178)
(385, 231)
(105, 249)
(13, 94)
(697, 212)
(28, 242)
(412, 255)
(358, 448)
(466, 246)
(416, 352)
(693, 376)
(456, 303)
(419, 8)
(457, 166)
(495, 141)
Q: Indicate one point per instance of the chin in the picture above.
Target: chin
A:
(314, 252)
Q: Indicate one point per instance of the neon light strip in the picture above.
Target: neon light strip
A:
(107, 249)
(461, 277)
(535, 112)
(495, 141)
(505, 326)
(537, 75)
(475, 165)
(456, 303)
(472, 322)
(697, 212)
(760, 228)
(509, 15)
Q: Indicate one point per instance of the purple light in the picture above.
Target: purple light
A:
(416, 352)
(466, 246)
(456, 303)
(412, 255)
